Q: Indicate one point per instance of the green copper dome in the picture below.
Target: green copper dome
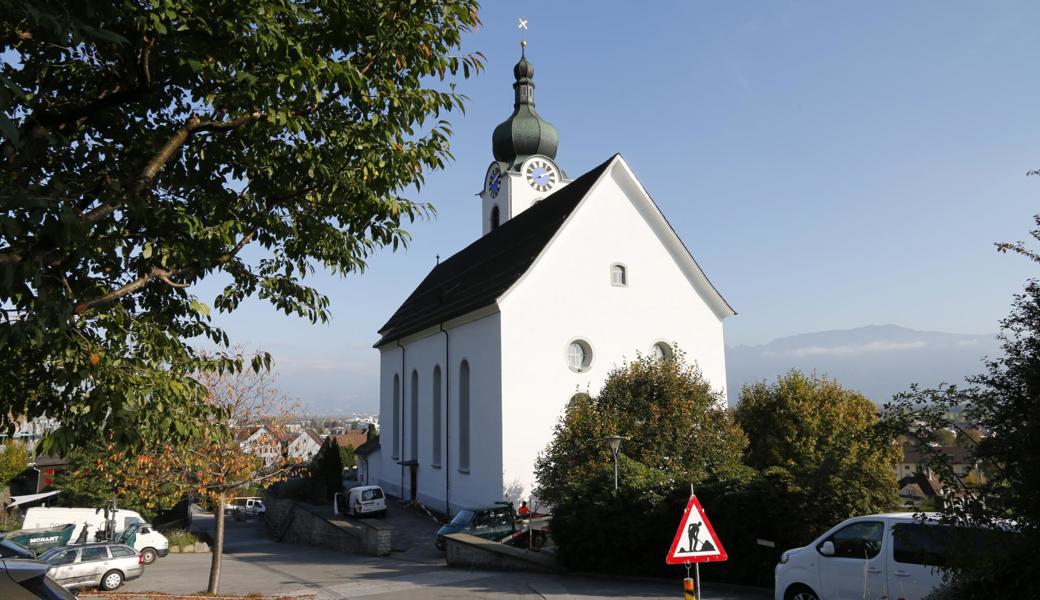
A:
(524, 133)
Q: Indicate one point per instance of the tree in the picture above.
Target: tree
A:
(1003, 401)
(13, 460)
(327, 467)
(678, 434)
(944, 437)
(346, 456)
(102, 473)
(213, 467)
(820, 449)
(145, 146)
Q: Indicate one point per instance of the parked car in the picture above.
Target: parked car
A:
(364, 500)
(9, 549)
(875, 556)
(97, 524)
(250, 507)
(490, 522)
(28, 580)
(101, 565)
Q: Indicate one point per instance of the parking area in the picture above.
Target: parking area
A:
(253, 564)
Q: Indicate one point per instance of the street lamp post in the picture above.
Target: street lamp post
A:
(615, 446)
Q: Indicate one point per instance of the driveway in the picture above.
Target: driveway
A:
(253, 564)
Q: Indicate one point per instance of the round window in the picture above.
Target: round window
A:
(661, 351)
(579, 355)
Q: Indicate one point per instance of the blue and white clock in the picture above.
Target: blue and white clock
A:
(493, 180)
(541, 174)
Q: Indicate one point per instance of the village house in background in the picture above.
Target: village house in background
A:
(478, 363)
(920, 486)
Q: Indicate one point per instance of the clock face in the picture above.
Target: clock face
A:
(493, 182)
(541, 174)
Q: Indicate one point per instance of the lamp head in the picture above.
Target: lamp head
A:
(615, 442)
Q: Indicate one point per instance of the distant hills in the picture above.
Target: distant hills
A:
(877, 360)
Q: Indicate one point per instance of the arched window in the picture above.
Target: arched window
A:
(662, 351)
(618, 275)
(436, 417)
(576, 398)
(495, 217)
(464, 416)
(413, 431)
(395, 442)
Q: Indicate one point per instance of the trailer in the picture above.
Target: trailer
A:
(42, 539)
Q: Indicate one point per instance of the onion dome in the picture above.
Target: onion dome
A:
(524, 133)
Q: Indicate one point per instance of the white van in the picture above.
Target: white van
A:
(875, 556)
(247, 506)
(91, 521)
(362, 501)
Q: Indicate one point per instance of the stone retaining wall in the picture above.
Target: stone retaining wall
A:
(297, 523)
(468, 551)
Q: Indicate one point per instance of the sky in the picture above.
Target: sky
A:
(829, 165)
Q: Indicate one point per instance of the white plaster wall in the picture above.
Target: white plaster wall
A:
(389, 365)
(446, 488)
(567, 294)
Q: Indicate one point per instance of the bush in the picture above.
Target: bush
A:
(677, 433)
(181, 537)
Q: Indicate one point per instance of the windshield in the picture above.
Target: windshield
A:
(464, 517)
(50, 553)
(373, 494)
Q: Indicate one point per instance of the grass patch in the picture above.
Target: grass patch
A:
(181, 537)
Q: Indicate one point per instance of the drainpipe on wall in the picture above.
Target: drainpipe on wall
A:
(447, 421)
(400, 398)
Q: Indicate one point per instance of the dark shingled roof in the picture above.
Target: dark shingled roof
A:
(479, 273)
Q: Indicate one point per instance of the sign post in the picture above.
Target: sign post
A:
(695, 542)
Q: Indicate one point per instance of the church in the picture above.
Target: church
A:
(570, 278)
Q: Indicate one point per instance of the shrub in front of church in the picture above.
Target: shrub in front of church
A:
(678, 434)
(822, 450)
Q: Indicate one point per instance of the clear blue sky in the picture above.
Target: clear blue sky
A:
(830, 165)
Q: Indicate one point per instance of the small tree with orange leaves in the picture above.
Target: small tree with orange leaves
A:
(214, 466)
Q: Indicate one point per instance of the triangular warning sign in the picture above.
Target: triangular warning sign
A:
(695, 541)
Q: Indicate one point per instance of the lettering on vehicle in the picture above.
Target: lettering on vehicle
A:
(44, 540)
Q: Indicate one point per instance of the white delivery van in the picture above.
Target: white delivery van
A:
(891, 555)
(90, 524)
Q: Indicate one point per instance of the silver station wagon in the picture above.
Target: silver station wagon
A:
(102, 565)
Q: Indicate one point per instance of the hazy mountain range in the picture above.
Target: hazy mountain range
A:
(877, 360)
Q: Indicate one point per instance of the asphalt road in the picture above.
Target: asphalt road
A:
(253, 564)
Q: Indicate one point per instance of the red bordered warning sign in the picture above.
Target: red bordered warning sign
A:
(695, 541)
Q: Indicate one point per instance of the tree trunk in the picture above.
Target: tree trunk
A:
(218, 546)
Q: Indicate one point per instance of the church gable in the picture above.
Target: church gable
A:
(478, 274)
(624, 180)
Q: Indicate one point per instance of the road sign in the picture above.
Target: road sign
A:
(695, 541)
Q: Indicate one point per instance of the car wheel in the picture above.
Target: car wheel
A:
(148, 555)
(111, 581)
(800, 592)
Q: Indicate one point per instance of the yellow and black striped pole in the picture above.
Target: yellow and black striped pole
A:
(689, 591)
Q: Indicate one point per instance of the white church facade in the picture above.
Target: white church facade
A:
(571, 278)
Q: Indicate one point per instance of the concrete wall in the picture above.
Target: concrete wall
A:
(445, 487)
(295, 523)
(469, 552)
(568, 295)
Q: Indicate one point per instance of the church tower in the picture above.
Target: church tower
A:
(524, 146)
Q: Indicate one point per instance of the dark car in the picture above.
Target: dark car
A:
(9, 549)
(490, 522)
(23, 579)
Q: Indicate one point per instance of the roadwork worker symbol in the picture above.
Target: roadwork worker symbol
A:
(695, 540)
